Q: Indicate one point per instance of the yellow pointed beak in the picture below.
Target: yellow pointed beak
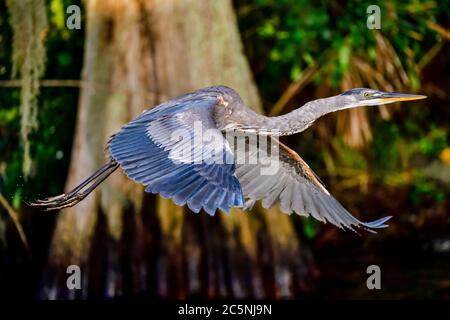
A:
(390, 97)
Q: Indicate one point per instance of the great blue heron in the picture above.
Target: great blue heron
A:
(145, 150)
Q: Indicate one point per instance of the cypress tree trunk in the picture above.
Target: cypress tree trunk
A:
(138, 54)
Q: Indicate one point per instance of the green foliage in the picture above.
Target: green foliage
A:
(310, 227)
(433, 142)
(284, 38)
(29, 23)
(425, 189)
(51, 144)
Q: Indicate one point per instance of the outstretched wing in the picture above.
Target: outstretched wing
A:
(165, 149)
(279, 174)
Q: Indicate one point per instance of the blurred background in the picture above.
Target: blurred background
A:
(64, 91)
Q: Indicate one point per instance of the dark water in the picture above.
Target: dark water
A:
(410, 269)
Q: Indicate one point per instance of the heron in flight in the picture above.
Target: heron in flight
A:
(147, 153)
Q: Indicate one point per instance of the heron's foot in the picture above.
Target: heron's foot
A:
(59, 202)
(80, 192)
(47, 200)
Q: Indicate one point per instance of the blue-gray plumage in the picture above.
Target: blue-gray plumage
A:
(142, 149)
(188, 170)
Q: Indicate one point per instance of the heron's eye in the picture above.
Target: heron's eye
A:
(366, 94)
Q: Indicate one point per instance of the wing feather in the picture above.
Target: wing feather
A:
(159, 149)
(296, 187)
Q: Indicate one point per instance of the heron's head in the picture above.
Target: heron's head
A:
(368, 97)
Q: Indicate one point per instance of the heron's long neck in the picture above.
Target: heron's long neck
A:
(303, 117)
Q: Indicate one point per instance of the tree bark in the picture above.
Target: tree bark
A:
(139, 54)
